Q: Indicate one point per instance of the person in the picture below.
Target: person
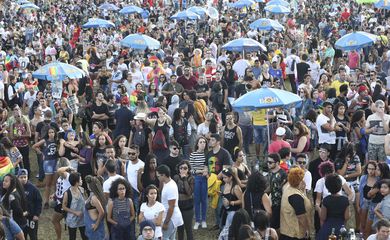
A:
(181, 130)
(324, 153)
(240, 217)
(152, 210)
(255, 198)
(123, 117)
(277, 178)
(231, 135)
(240, 169)
(120, 210)
(11, 228)
(99, 110)
(141, 135)
(34, 205)
(332, 217)
(174, 157)
(185, 184)
(148, 175)
(147, 229)
(279, 143)
(73, 204)
(170, 199)
(199, 164)
(382, 210)
(94, 209)
(382, 230)
(301, 142)
(326, 125)
(295, 208)
(112, 176)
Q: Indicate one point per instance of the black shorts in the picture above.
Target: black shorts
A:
(58, 208)
(275, 218)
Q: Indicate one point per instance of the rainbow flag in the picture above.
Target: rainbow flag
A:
(6, 167)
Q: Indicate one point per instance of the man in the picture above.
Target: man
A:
(377, 125)
(279, 143)
(34, 205)
(219, 93)
(174, 157)
(275, 71)
(123, 117)
(202, 89)
(112, 176)
(101, 163)
(285, 158)
(291, 61)
(147, 229)
(99, 110)
(172, 88)
(277, 178)
(133, 169)
(187, 80)
(13, 94)
(314, 69)
(210, 71)
(341, 80)
(44, 107)
(29, 97)
(301, 161)
(231, 134)
(116, 77)
(303, 68)
(324, 153)
(326, 125)
(256, 69)
(382, 230)
(170, 199)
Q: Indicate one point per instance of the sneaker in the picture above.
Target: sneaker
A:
(196, 226)
(204, 224)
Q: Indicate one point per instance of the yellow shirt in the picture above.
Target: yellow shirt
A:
(259, 117)
(336, 84)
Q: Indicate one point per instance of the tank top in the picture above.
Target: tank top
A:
(121, 211)
(231, 197)
(20, 129)
(253, 202)
(164, 128)
(50, 152)
(230, 139)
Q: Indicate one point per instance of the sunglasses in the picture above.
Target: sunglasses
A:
(132, 153)
(301, 162)
(183, 168)
(175, 148)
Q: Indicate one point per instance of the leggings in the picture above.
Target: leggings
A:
(188, 215)
(73, 233)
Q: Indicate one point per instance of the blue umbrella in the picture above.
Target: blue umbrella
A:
(384, 4)
(58, 71)
(185, 15)
(266, 24)
(355, 40)
(98, 23)
(145, 14)
(109, 7)
(279, 2)
(140, 42)
(29, 5)
(243, 3)
(244, 45)
(277, 9)
(22, 2)
(260, 1)
(198, 10)
(131, 9)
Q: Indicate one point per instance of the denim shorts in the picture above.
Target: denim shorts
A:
(365, 205)
(371, 213)
(260, 134)
(49, 166)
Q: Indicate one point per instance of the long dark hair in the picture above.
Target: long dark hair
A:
(257, 183)
(147, 189)
(114, 188)
(240, 218)
(14, 184)
(96, 186)
(385, 171)
(146, 176)
(177, 114)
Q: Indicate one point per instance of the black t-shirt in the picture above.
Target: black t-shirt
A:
(315, 172)
(201, 89)
(241, 89)
(40, 125)
(217, 160)
(335, 212)
(298, 204)
(172, 162)
(99, 110)
(302, 69)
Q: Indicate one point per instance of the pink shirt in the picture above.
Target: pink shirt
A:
(275, 146)
(353, 60)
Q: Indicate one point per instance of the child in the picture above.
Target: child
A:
(382, 210)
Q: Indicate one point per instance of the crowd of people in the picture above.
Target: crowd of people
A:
(147, 141)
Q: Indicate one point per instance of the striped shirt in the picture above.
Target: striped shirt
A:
(198, 161)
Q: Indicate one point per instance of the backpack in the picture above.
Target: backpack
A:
(139, 137)
(292, 67)
(159, 141)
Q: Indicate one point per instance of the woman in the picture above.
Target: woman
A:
(97, 129)
(262, 226)
(367, 182)
(332, 217)
(161, 82)
(342, 123)
(301, 142)
(152, 95)
(69, 149)
(94, 209)
(47, 148)
(141, 135)
(185, 184)
(199, 165)
(359, 134)
(240, 169)
(162, 101)
(181, 130)
(70, 90)
(307, 103)
(11, 229)
(103, 77)
(148, 175)
(152, 210)
(255, 198)
(120, 210)
(231, 196)
(84, 157)
(121, 150)
(67, 111)
(73, 205)
(13, 153)
(265, 78)
(295, 221)
(14, 199)
(99, 154)
(240, 218)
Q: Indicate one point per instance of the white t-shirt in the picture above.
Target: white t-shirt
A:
(323, 135)
(24, 61)
(30, 98)
(373, 237)
(150, 213)
(321, 188)
(202, 129)
(170, 192)
(377, 136)
(307, 179)
(107, 184)
(132, 172)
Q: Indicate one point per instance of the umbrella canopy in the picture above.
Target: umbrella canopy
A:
(22, 2)
(140, 42)
(384, 4)
(185, 15)
(279, 2)
(277, 9)
(98, 23)
(260, 1)
(109, 7)
(198, 10)
(58, 71)
(213, 13)
(366, 1)
(29, 5)
(131, 9)
(266, 24)
(243, 3)
(355, 40)
(265, 98)
(244, 45)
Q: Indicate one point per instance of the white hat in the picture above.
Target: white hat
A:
(140, 116)
(280, 131)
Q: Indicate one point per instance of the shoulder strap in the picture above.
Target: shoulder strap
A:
(69, 197)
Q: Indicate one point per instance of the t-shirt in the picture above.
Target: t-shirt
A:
(217, 160)
(335, 212)
(132, 172)
(374, 237)
(277, 180)
(297, 203)
(351, 167)
(275, 146)
(324, 136)
(107, 184)
(171, 192)
(321, 188)
(150, 213)
(377, 136)
(100, 110)
(172, 162)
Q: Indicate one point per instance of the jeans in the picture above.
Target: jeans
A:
(136, 200)
(170, 233)
(26, 160)
(218, 216)
(200, 198)
(119, 232)
(41, 171)
(260, 134)
(188, 215)
(247, 135)
(186, 151)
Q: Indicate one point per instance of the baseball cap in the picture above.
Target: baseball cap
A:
(22, 172)
(280, 131)
(147, 223)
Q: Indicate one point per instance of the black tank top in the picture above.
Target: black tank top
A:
(50, 152)
(230, 139)
(231, 197)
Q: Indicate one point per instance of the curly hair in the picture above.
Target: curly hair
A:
(333, 183)
(257, 183)
(184, 162)
(114, 188)
(295, 176)
(326, 168)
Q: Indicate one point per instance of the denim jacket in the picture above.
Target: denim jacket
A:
(363, 182)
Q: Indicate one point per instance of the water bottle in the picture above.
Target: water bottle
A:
(343, 233)
(352, 235)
